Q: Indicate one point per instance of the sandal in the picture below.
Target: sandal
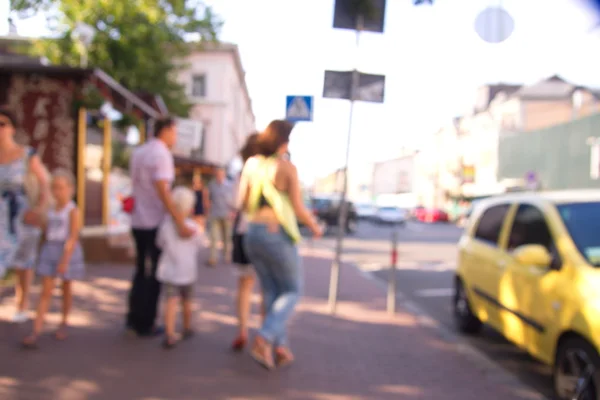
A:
(262, 353)
(169, 343)
(188, 334)
(61, 333)
(30, 342)
(239, 344)
(283, 357)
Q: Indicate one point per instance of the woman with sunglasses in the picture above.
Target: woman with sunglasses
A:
(21, 213)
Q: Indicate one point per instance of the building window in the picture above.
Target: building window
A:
(199, 85)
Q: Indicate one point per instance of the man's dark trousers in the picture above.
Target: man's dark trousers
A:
(145, 288)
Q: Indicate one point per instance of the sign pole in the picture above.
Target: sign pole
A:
(343, 210)
(391, 294)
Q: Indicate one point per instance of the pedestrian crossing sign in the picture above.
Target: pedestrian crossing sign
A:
(298, 108)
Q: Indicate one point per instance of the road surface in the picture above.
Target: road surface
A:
(426, 264)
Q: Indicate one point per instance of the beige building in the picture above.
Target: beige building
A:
(359, 183)
(216, 85)
(462, 159)
(329, 184)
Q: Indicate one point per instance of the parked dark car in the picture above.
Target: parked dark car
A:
(327, 210)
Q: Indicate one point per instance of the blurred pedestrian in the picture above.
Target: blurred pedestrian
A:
(178, 265)
(199, 214)
(24, 197)
(244, 270)
(271, 194)
(152, 172)
(61, 255)
(220, 209)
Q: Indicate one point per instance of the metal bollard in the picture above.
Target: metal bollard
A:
(391, 293)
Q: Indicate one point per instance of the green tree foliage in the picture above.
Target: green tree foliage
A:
(136, 41)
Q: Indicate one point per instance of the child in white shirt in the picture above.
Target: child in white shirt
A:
(177, 265)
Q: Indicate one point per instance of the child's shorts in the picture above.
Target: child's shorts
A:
(183, 291)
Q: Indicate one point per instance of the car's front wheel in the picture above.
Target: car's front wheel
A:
(464, 318)
(576, 371)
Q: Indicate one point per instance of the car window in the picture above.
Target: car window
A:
(529, 227)
(321, 203)
(582, 220)
(490, 224)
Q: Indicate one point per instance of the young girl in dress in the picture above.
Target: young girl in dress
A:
(61, 255)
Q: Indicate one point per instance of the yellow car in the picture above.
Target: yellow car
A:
(529, 266)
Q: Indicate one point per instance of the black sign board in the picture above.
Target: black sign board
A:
(338, 85)
(347, 12)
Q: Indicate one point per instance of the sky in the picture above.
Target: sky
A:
(431, 56)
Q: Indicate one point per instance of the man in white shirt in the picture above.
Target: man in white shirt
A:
(152, 173)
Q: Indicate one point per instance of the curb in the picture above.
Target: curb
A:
(493, 371)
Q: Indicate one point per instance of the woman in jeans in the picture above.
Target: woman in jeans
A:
(271, 196)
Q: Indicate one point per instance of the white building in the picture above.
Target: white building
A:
(393, 182)
(216, 85)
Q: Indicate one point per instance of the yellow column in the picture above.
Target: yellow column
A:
(142, 129)
(81, 142)
(106, 164)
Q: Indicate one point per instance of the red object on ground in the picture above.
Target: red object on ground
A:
(128, 204)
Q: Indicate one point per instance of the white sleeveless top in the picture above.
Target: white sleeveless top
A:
(59, 224)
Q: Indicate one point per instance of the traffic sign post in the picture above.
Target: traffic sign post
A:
(391, 292)
(366, 16)
(299, 108)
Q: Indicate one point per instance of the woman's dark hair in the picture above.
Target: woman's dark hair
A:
(271, 139)
(250, 148)
(9, 114)
(161, 124)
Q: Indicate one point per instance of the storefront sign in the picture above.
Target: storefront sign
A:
(189, 137)
(43, 109)
(468, 174)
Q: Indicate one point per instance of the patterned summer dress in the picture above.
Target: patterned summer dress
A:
(57, 232)
(18, 241)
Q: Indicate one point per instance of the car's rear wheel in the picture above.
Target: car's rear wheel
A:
(576, 370)
(465, 320)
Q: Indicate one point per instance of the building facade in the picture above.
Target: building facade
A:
(215, 83)
(463, 159)
(359, 187)
(565, 156)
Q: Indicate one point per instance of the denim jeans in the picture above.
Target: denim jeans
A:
(277, 263)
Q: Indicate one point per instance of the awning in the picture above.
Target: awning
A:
(122, 99)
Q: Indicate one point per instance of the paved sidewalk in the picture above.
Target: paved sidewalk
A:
(360, 354)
